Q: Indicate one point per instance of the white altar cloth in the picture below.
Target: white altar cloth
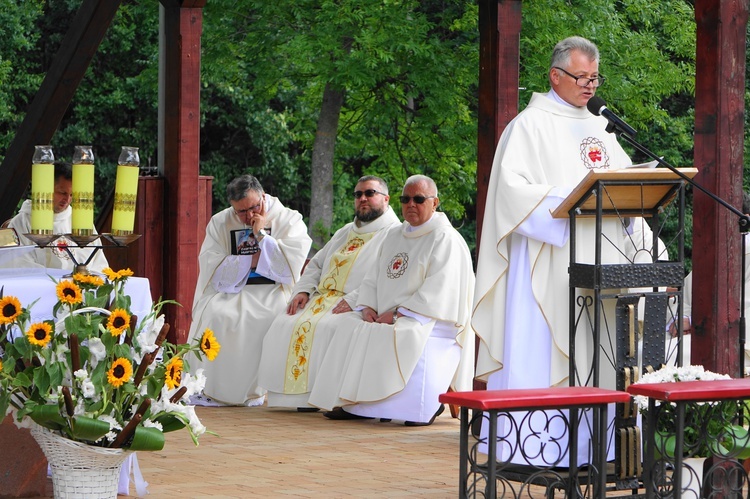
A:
(36, 283)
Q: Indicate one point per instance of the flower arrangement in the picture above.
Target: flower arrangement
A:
(94, 376)
(710, 427)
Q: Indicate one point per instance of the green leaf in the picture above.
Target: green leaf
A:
(48, 416)
(89, 429)
(147, 439)
(170, 422)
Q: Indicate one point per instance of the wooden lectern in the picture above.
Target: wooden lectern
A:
(606, 296)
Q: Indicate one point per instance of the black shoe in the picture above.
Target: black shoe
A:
(385, 420)
(340, 414)
(428, 423)
(307, 409)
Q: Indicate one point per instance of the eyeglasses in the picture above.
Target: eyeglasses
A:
(240, 213)
(369, 193)
(417, 199)
(583, 81)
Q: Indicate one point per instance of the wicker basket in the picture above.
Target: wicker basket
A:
(80, 470)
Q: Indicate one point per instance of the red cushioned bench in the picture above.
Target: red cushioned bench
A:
(681, 394)
(496, 402)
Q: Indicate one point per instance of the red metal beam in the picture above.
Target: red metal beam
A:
(719, 133)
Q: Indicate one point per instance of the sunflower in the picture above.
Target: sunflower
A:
(209, 345)
(39, 334)
(118, 322)
(10, 309)
(174, 373)
(120, 372)
(116, 276)
(69, 292)
(86, 279)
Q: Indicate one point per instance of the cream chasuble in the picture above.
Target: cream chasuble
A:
(521, 307)
(240, 319)
(543, 153)
(425, 272)
(333, 274)
(304, 330)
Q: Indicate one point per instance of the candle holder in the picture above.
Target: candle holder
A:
(121, 239)
(46, 240)
(42, 238)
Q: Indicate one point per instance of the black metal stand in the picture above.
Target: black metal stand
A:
(743, 219)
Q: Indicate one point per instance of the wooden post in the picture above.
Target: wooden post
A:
(719, 132)
(499, 53)
(183, 24)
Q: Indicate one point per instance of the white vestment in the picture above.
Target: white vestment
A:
(241, 318)
(521, 307)
(320, 280)
(55, 256)
(426, 273)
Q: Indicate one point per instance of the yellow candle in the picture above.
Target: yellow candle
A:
(126, 191)
(42, 190)
(83, 191)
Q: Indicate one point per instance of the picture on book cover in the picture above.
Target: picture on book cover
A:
(243, 242)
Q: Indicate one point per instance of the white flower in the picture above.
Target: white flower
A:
(193, 383)
(147, 338)
(194, 421)
(88, 389)
(153, 424)
(114, 427)
(80, 374)
(672, 374)
(98, 351)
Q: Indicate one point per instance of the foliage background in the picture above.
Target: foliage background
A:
(408, 68)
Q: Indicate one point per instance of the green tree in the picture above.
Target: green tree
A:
(391, 81)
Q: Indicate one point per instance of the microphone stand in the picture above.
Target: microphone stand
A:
(744, 222)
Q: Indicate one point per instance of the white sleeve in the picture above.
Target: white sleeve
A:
(272, 263)
(541, 226)
(231, 274)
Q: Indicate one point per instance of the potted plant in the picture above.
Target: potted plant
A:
(93, 379)
(711, 428)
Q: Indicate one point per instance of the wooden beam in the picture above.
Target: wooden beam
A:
(53, 98)
(499, 54)
(719, 132)
(181, 133)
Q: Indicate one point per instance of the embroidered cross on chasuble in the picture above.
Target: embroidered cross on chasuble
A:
(329, 292)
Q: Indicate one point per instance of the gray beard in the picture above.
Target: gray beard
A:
(372, 215)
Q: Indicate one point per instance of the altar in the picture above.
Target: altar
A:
(39, 284)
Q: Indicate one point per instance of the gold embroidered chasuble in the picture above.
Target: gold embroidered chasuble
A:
(329, 292)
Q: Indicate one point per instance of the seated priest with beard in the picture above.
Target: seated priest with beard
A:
(296, 342)
(412, 339)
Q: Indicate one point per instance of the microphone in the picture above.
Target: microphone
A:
(598, 107)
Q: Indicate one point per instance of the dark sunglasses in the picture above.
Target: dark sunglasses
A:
(369, 193)
(417, 199)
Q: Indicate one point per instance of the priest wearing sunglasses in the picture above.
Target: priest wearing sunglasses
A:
(412, 340)
(296, 342)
